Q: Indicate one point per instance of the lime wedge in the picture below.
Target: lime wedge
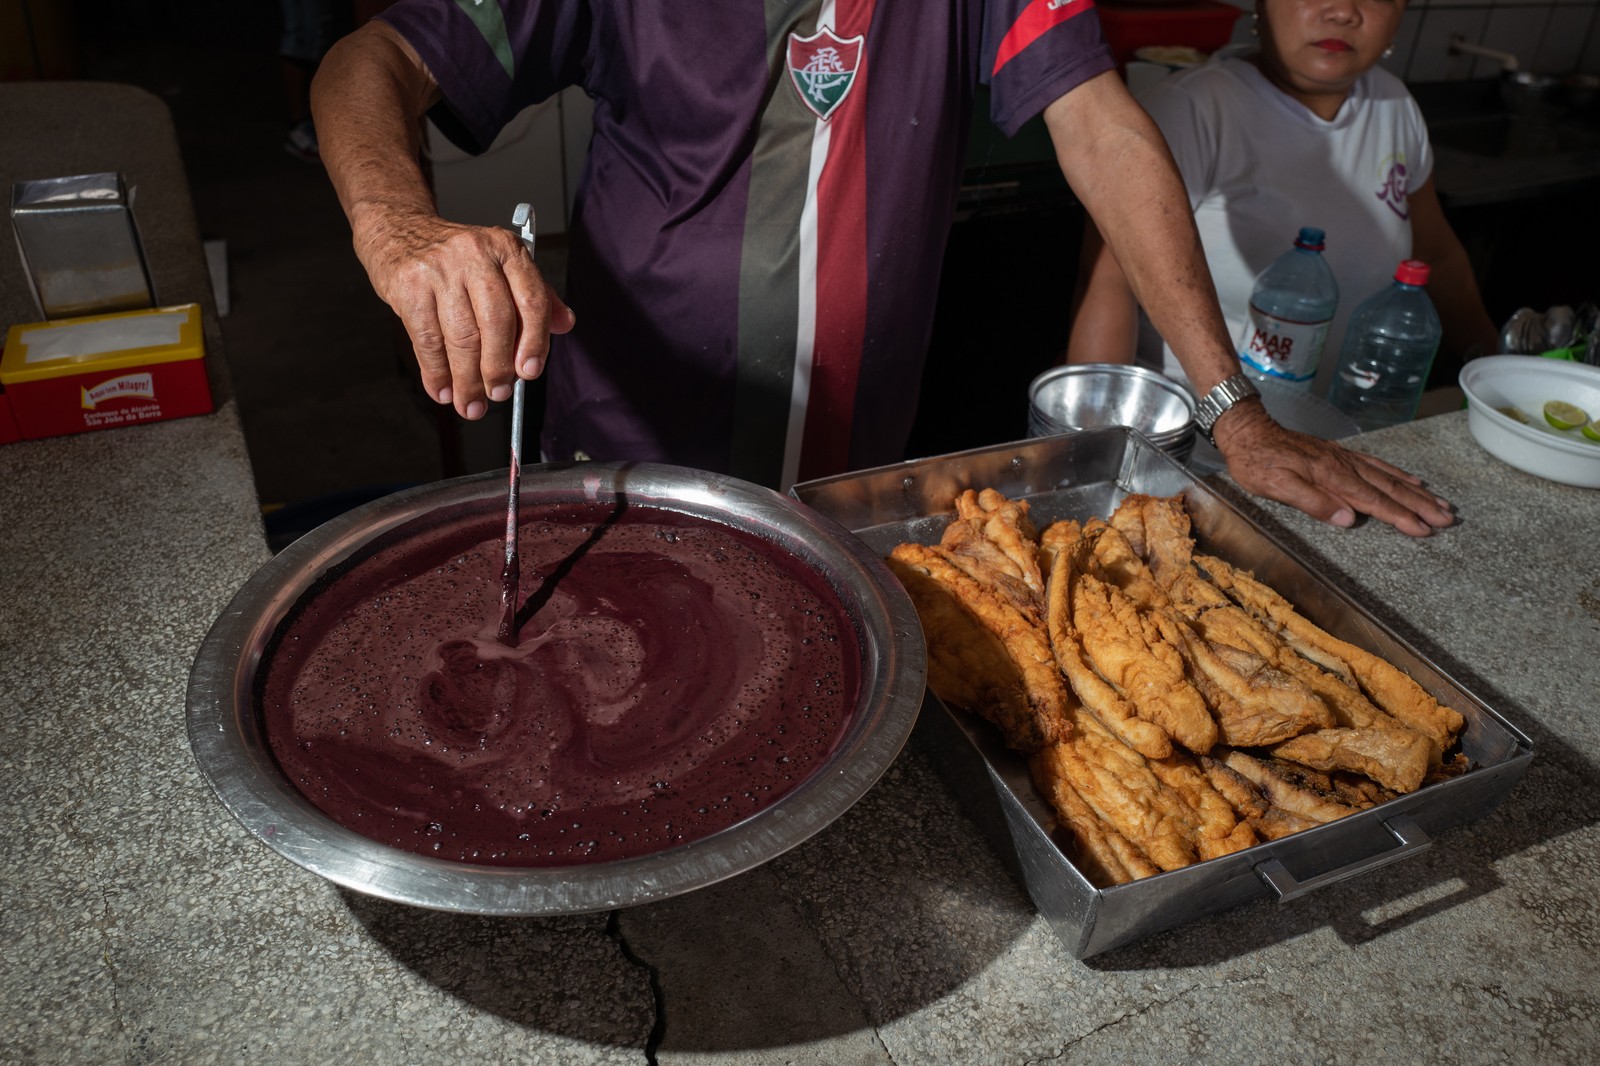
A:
(1591, 431)
(1516, 414)
(1564, 415)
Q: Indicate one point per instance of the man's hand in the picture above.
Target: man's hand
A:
(1322, 478)
(477, 310)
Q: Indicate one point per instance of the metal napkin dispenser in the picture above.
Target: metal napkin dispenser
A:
(79, 245)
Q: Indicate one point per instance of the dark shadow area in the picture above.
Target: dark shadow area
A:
(325, 384)
(1521, 252)
(1003, 318)
(787, 953)
(531, 971)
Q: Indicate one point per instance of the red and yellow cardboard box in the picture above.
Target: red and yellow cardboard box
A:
(100, 371)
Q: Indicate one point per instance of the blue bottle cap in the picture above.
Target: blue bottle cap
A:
(1310, 237)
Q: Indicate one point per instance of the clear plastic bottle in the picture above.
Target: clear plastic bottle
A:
(1291, 308)
(1388, 350)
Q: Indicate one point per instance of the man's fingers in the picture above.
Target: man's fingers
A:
(497, 322)
(1329, 482)
(477, 310)
(1388, 468)
(421, 320)
(1382, 487)
(463, 347)
(531, 299)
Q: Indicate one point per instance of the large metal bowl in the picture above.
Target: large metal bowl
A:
(231, 748)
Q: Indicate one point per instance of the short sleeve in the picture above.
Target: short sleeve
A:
(1034, 52)
(1418, 127)
(492, 59)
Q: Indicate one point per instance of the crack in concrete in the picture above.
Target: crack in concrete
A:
(878, 1036)
(1147, 1008)
(109, 913)
(658, 1026)
(803, 914)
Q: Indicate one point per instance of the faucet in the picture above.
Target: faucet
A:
(1459, 45)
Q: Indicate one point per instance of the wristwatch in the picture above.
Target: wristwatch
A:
(1223, 395)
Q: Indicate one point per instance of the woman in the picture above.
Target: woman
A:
(1304, 130)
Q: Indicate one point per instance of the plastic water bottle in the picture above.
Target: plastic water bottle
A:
(1291, 309)
(1388, 350)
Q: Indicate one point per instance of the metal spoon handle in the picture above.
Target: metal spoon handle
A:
(510, 576)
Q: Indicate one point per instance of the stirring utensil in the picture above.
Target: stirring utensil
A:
(510, 576)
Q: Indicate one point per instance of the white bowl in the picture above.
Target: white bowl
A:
(1527, 383)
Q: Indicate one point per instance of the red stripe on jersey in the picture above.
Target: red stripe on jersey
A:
(1036, 19)
(841, 285)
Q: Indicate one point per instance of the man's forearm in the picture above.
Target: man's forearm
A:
(1117, 163)
(369, 93)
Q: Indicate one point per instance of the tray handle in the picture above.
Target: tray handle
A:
(1409, 836)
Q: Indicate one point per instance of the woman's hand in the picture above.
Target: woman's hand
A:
(1323, 478)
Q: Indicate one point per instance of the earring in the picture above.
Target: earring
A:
(1255, 23)
(1387, 52)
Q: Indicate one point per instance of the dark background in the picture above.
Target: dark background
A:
(326, 386)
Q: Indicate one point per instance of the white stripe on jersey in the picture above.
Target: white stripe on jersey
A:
(805, 344)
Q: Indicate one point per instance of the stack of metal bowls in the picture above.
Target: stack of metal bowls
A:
(1091, 395)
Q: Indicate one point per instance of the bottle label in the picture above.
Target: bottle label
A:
(1281, 347)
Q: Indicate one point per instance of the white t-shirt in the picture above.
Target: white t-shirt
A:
(1259, 165)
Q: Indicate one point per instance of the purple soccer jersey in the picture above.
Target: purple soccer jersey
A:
(760, 225)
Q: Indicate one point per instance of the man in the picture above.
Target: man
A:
(761, 223)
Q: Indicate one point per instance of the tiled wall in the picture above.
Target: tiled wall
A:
(1547, 36)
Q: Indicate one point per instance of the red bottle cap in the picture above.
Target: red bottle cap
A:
(1412, 272)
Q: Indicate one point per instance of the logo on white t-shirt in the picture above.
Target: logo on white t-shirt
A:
(1392, 185)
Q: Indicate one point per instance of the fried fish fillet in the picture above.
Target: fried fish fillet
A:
(984, 655)
(1397, 759)
(1114, 561)
(1005, 524)
(1062, 549)
(1387, 685)
(1105, 856)
(1287, 789)
(1219, 831)
(1387, 750)
(1242, 794)
(1166, 807)
(1253, 702)
(1159, 531)
(1276, 823)
(1118, 785)
(1148, 672)
(965, 547)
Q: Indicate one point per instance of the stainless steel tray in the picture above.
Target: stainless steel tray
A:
(1083, 474)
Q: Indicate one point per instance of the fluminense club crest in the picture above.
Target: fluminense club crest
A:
(822, 68)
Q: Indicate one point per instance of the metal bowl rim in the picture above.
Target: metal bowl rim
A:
(1127, 371)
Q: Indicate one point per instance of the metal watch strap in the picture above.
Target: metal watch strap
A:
(1223, 395)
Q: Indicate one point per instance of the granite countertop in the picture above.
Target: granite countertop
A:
(143, 924)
